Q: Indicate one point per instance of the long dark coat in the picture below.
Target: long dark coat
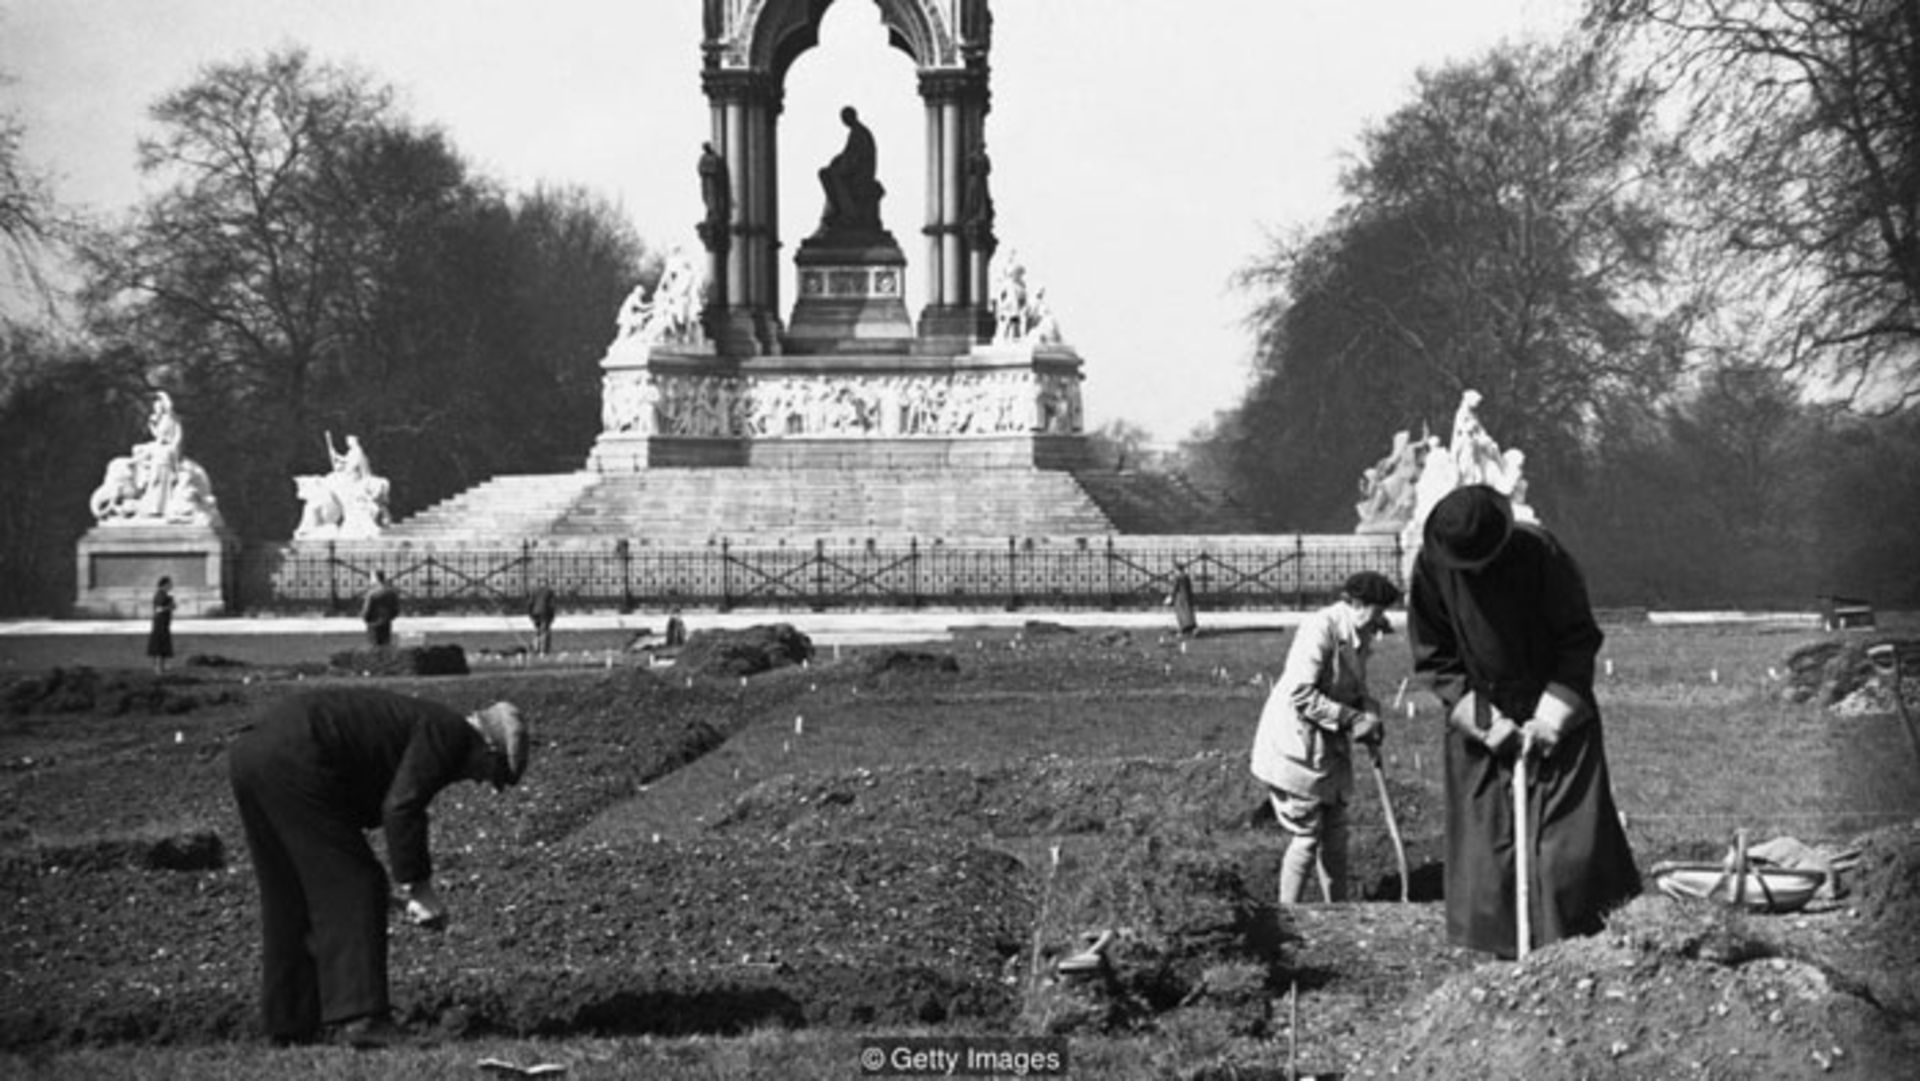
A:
(310, 778)
(1181, 599)
(160, 629)
(1505, 631)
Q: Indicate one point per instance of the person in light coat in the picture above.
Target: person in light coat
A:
(1303, 749)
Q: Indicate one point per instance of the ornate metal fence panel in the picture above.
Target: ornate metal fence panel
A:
(1041, 573)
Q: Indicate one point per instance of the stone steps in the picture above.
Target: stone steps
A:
(503, 507)
(676, 506)
(695, 505)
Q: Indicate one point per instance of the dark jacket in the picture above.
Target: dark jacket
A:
(384, 755)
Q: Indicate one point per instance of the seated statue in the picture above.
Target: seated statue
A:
(851, 182)
(349, 501)
(155, 484)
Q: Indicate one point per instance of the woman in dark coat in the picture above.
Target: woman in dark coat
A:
(160, 631)
(1181, 601)
(1501, 628)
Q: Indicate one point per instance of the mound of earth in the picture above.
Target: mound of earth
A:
(1840, 672)
(745, 652)
(442, 660)
(113, 693)
(1613, 1007)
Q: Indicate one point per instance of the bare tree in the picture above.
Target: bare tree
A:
(31, 222)
(1804, 122)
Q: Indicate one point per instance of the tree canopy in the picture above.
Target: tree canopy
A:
(1503, 232)
(313, 263)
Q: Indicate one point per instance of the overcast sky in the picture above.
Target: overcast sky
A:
(1143, 150)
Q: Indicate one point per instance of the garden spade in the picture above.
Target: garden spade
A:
(1522, 854)
(1393, 823)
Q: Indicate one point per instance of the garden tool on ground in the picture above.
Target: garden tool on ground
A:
(1393, 823)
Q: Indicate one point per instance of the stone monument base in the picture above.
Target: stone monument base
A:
(623, 453)
(119, 566)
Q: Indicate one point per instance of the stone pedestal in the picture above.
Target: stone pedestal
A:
(852, 297)
(989, 407)
(119, 565)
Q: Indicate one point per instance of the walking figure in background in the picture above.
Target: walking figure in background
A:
(676, 630)
(1303, 749)
(1181, 601)
(379, 609)
(310, 777)
(1502, 631)
(160, 630)
(542, 607)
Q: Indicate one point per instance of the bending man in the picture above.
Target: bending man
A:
(310, 777)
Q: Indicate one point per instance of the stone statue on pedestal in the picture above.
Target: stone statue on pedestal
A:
(348, 502)
(716, 192)
(155, 484)
(1021, 312)
(671, 313)
(851, 183)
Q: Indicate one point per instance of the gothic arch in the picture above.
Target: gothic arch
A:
(768, 35)
(750, 46)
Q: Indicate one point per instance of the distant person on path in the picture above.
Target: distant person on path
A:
(160, 630)
(379, 609)
(1181, 601)
(676, 630)
(1501, 628)
(1303, 749)
(542, 607)
(310, 777)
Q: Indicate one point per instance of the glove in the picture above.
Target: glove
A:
(424, 908)
(1368, 729)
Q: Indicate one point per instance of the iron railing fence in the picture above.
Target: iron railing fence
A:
(1107, 573)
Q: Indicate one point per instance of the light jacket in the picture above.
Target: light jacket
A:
(1302, 744)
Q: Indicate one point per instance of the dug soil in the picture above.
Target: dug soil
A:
(703, 851)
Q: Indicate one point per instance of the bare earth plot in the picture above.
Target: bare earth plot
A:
(911, 838)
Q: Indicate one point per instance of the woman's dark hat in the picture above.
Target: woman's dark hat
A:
(1371, 587)
(1468, 528)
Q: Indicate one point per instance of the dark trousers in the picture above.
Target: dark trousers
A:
(323, 894)
(543, 636)
(380, 633)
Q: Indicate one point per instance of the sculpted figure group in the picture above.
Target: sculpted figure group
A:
(670, 313)
(1021, 311)
(996, 403)
(155, 484)
(348, 502)
(1397, 492)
